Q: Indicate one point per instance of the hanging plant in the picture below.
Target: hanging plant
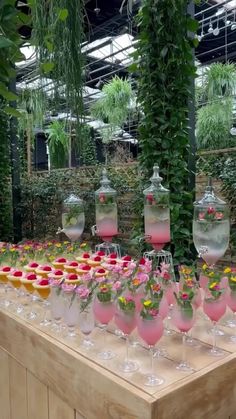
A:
(164, 63)
(220, 80)
(58, 143)
(58, 35)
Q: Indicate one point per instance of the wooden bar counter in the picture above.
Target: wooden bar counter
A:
(45, 376)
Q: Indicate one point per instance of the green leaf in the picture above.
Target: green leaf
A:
(63, 14)
(47, 67)
(7, 94)
(49, 45)
(164, 51)
(192, 25)
(12, 111)
(5, 42)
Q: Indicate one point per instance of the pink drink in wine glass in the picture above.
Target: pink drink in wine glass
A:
(214, 309)
(163, 307)
(103, 311)
(182, 319)
(150, 330)
(231, 300)
(197, 299)
(125, 322)
(169, 292)
(203, 281)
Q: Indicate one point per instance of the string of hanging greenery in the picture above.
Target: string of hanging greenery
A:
(165, 67)
(58, 35)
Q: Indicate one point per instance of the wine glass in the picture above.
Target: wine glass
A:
(43, 289)
(184, 318)
(15, 281)
(231, 302)
(126, 321)
(28, 283)
(104, 312)
(151, 330)
(214, 307)
(71, 309)
(4, 272)
(86, 322)
(57, 306)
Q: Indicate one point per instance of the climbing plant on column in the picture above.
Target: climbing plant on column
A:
(164, 63)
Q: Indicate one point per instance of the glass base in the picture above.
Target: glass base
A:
(19, 309)
(185, 367)
(71, 334)
(161, 353)
(6, 303)
(230, 323)
(119, 333)
(128, 366)
(192, 342)
(216, 352)
(168, 332)
(45, 323)
(31, 316)
(87, 344)
(106, 355)
(218, 332)
(152, 380)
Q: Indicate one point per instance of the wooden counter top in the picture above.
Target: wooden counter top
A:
(45, 376)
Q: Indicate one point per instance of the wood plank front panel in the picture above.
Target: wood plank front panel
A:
(18, 390)
(37, 397)
(72, 376)
(58, 409)
(4, 386)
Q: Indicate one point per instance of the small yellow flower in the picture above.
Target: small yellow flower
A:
(211, 274)
(66, 242)
(122, 299)
(49, 243)
(83, 245)
(213, 284)
(12, 249)
(3, 250)
(70, 249)
(227, 270)
(51, 258)
(147, 303)
(204, 267)
(233, 278)
(26, 247)
(58, 245)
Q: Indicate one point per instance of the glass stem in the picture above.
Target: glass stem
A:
(104, 335)
(214, 336)
(184, 348)
(127, 348)
(151, 349)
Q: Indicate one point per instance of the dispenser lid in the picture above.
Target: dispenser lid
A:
(209, 197)
(156, 180)
(73, 199)
(105, 184)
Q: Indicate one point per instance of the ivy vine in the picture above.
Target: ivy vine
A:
(164, 63)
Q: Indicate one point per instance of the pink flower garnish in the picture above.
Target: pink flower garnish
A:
(184, 296)
(82, 291)
(154, 312)
(116, 286)
(219, 215)
(142, 277)
(211, 210)
(165, 275)
(201, 216)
